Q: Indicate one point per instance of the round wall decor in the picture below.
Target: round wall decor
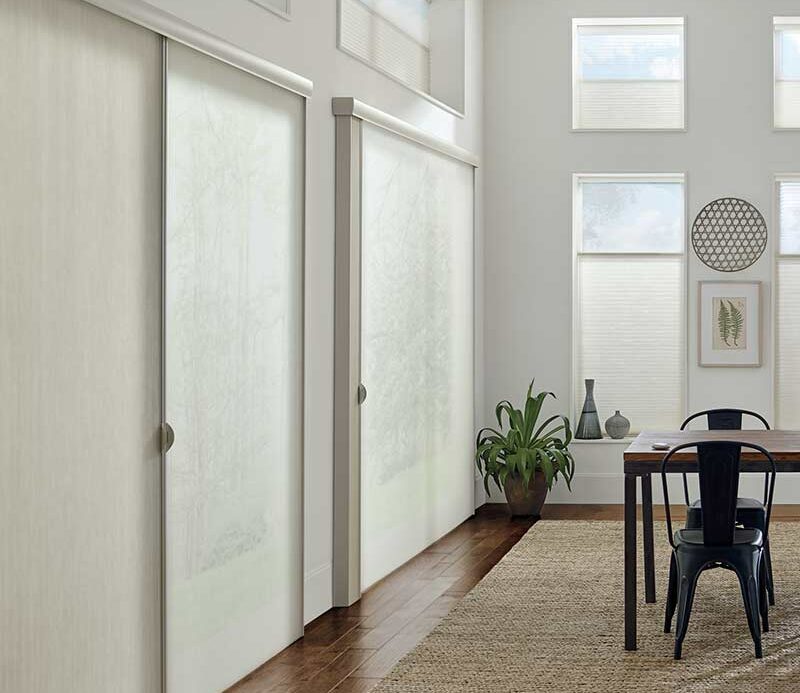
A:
(729, 234)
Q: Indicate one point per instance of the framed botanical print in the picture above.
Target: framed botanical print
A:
(729, 323)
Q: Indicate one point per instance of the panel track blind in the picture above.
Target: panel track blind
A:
(787, 72)
(630, 334)
(787, 320)
(379, 42)
(628, 74)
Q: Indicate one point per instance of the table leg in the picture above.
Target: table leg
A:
(630, 561)
(647, 533)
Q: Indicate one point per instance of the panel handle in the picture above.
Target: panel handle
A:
(362, 393)
(167, 437)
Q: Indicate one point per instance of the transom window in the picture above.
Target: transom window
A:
(787, 72)
(628, 74)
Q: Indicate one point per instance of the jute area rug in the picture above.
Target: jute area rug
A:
(549, 617)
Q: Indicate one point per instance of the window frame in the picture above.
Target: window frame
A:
(578, 252)
(781, 21)
(578, 22)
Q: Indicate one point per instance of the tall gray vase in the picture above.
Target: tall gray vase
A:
(589, 423)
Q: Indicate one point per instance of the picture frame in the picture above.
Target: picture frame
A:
(729, 324)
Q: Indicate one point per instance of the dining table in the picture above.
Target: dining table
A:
(643, 457)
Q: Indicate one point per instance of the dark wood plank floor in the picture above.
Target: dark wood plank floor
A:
(350, 650)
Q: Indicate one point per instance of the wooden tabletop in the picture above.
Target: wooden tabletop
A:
(641, 458)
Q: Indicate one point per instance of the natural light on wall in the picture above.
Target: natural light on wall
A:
(629, 297)
(787, 320)
(416, 349)
(628, 74)
(787, 72)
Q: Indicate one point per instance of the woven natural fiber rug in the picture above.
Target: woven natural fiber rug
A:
(549, 617)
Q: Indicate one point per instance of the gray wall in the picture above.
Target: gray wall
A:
(730, 148)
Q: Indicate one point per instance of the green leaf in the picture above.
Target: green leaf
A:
(724, 322)
(736, 322)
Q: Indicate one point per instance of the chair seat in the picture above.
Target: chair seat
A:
(694, 537)
(741, 504)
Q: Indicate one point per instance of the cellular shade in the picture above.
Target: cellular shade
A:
(631, 337)
(787, 376)
(416, 349)
(628, 74)
(787, 319)
(390, 36)
(787, 72)
(233, 372)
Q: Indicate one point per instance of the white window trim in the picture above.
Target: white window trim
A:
(578, 252)
(776, 22)
(627, 21)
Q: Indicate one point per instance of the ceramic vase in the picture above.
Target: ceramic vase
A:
(589, 423)
(617, 426)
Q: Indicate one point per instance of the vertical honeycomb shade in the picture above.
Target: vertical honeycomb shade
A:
(233, 371)
(416, 349)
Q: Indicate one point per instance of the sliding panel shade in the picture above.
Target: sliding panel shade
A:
(80, 194)
(416, 349)
(631, 337)
(787, 73)
(235, 176)
(390, 36)
(628, 76)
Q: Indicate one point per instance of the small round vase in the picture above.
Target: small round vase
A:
(617, 426)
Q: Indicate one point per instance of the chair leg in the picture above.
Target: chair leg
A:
(687, 584)
(763, 601)
(672, 594)
(749, 584)
(770, 581)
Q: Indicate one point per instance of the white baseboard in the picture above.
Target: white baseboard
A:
(317, 592)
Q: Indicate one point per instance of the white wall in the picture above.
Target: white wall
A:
(729, 149)
(307, 45)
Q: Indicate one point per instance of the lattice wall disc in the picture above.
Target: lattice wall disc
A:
(729, 234)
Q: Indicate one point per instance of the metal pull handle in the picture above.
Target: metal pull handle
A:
(362, 393)
(167, 437)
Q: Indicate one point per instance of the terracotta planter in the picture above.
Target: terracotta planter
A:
(526, 501)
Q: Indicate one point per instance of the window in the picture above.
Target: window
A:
(419, 43)
(280, 7)
(628, 74)
(629, 296)
(787, 72)
(787, 319)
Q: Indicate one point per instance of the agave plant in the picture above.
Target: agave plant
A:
(525, 447)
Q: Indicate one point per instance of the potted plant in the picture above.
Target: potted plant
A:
(525, 460)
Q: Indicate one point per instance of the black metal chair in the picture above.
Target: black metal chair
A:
(718, 542)
(750, 512)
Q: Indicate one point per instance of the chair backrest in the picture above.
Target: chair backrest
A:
(718, 464)
(726, 419)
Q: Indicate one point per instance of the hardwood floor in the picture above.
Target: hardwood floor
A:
(350, 650)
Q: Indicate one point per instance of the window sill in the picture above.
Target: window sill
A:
(627, 440)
